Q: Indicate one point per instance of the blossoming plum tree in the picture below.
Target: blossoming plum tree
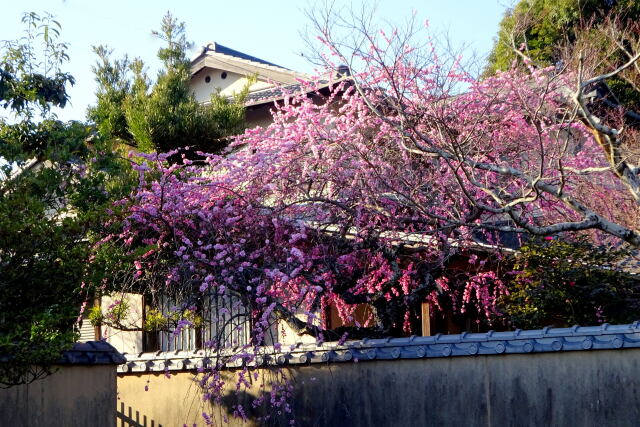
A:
(365, 197)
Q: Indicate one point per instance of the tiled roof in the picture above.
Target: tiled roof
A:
(216, 47)
(270, 94)
(631, 264)
(276, 93)
(577, 338)
(92, 353)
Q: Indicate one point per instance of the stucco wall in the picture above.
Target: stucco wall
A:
(232, 84)
(583, 388)
(164, 401)
(72, 396)
(124, 341)
(598, 388)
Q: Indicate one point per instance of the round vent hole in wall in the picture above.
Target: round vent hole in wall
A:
(223, 75)
(207, 79)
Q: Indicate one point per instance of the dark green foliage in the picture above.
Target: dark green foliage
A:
(547, 27)
(25, 80)
(165, 115)
(42, 261)
(571, 283)
(57, 181)
(113, 89)
(16, 93)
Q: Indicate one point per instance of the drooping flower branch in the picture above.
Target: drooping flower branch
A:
(365, 197)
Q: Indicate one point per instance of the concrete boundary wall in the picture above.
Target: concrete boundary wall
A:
(80, 391)
(551, 377)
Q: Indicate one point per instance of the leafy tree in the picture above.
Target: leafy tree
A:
(165, 115)
(57, 181)
(544, 26)
(113, 90)
(26, 80)
(566, 283)
(551, 32)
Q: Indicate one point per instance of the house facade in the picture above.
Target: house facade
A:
(217, 69)
(220, 69)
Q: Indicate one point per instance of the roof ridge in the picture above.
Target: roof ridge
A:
(224, 50)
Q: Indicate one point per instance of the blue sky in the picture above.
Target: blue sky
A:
(268, 29)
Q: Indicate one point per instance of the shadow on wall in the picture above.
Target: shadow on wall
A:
(585, 388)
(127, 418)
(262, 407)
(225, 412)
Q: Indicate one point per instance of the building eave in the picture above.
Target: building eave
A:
(245, 67)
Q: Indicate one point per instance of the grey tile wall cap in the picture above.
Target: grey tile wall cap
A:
(92, 353)
(577, 338)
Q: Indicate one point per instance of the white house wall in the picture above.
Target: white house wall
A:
(232, 84)
(124, 341)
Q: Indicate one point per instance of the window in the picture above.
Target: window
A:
(222, 319)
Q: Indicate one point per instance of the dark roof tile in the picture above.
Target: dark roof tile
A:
(271, 93)
(232, 52)
(92, 353)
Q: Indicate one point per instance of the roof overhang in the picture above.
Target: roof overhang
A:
(215, 60)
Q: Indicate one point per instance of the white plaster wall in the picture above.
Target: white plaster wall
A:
(232, 84)
(124, 341)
